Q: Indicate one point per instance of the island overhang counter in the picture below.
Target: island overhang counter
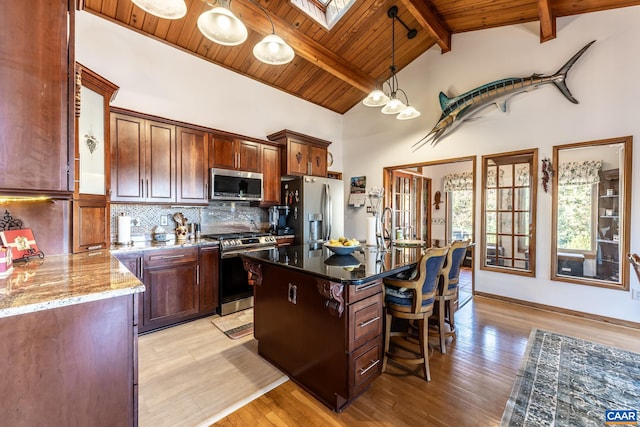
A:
(318, 317)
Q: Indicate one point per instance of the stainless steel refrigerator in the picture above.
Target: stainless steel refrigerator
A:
(316, 208)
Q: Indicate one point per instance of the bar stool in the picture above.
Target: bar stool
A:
(447, 292)
(413, 299)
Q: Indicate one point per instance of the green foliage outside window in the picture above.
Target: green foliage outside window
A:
(461, 214)
(575, 217)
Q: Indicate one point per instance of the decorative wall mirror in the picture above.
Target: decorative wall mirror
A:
(509, 212)
(591, 212)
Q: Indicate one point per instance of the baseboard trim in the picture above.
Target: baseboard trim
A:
(581, 314)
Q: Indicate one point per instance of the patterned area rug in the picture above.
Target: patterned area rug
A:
(236, 325)
(566, 381)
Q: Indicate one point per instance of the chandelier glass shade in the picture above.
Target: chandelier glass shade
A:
(376, 98)
(221, 26)
(273, 50)
(389, 101)
(167, 9)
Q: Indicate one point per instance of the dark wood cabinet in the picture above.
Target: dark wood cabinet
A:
(192, 170)
(92, 162)
(36, 104)
(209, 269)
(301, 154)
(182, 284)
(232, 153)
(83, 354)
(270, 175)
(133, 262)
(318, 160)
(143, 164)
(171, 279)
(326, 336)
(90, 223)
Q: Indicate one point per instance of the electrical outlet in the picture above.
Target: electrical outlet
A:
(369, 209)
(164, 220)
(635, 294)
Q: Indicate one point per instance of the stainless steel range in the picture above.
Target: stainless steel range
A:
(235, 292)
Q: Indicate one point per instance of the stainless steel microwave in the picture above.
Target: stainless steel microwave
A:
(235, 185)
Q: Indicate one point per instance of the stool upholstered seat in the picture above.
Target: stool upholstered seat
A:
(447, 292)
(413, 300)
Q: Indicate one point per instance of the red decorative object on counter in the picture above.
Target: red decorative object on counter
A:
(21, 242)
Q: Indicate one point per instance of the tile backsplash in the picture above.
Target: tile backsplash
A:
(218, 217)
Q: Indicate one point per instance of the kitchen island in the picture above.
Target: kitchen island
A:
(318, 316)
(68, 342)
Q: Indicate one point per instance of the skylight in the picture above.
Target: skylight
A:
(325, 12)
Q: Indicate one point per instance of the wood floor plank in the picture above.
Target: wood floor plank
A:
(470, 384)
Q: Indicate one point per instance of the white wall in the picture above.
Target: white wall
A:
(157, 79)
(605, 83)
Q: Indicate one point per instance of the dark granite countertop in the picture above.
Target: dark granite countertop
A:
(362, 266)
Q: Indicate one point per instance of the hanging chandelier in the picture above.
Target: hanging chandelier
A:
(221, 26)
(167, 9)
(389, 100)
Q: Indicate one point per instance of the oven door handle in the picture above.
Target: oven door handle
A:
(235, 253)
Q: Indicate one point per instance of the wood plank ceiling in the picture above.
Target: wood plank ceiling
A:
(336, 69)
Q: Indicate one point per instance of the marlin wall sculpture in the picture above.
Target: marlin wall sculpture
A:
(456, 111)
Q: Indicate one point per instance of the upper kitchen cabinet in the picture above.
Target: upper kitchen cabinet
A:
(92, 162)
(143, 163)
(36, 105)
(302, 154)
(193, 166)
(270, 175)
(231, 153)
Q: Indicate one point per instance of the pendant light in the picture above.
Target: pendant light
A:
(272, 49)
(390, 102)
(167, 9)
(221, 26)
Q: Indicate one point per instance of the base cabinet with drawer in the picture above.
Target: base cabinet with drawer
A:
(181, 284)
(331, 347)
(171, 279)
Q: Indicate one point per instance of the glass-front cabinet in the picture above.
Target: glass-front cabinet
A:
(509, 212)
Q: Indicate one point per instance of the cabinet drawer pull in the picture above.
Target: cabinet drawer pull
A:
(292, 295)
(368, 322)
(93, 248)
(371, 365)
(367, 286)
(172, 256)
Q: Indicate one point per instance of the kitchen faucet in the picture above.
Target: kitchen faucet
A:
(388, 232)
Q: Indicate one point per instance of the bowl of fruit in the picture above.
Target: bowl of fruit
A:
(342, 246)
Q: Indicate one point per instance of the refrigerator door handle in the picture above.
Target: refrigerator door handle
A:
(329, 209)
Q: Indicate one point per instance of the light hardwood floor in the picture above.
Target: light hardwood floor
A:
(192, 373)
(470, 384)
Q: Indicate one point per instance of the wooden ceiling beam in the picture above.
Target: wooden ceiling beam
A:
(430, 22)
(304, 46)
(547, 21)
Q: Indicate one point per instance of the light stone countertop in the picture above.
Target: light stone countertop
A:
(61, 280)
(169, 244)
